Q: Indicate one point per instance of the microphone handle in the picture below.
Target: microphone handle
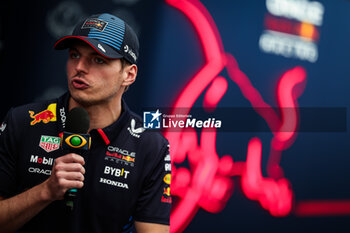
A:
(78, 144)
(71, 194)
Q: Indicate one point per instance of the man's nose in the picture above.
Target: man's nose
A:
(82, 65)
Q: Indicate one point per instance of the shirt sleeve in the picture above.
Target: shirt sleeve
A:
(7, 158)
(154, 204)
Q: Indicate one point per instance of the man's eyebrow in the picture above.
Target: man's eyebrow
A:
(72, 48)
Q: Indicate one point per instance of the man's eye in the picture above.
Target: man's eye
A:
(99, 60)
(74, 55)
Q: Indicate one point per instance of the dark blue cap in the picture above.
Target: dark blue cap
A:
(109, 35)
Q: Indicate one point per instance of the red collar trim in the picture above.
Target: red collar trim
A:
(104, 136)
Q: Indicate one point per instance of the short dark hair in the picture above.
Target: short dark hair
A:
(124, 63)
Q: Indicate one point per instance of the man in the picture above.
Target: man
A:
(123, 179)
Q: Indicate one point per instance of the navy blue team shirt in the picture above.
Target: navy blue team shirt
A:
(127, 175)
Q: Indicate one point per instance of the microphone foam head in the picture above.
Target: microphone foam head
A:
(78, 121)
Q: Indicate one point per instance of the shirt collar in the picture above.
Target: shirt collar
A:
(108, 133)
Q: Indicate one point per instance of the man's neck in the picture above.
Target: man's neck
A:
(101, 115)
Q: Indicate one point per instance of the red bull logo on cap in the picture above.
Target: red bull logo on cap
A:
(45, 116)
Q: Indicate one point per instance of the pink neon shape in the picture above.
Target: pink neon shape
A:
(273, 196)
(207, 185)
(214, 93)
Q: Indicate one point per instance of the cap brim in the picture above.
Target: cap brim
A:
(102, 48)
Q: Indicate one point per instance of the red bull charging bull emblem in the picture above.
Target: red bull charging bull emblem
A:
(45, 116)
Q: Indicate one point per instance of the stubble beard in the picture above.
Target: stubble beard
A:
(97, 101)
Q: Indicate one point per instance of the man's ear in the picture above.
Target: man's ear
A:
(130, 73)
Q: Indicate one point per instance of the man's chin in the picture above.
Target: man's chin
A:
(87, 98)
(82, 99)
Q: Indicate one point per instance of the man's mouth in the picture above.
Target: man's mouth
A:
(79, 83)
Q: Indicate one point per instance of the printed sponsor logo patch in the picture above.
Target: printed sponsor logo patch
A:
(101, 48)
(45, 116)
(39, 171)
(167, 179)
(41, 160)
(135, 131)
(121, 156)
(63, 117)
(130, 52)
(167, 167)
(114, 183)
(167, 158)
(116, 172)
(166, 197)
(94, 24)
(166, 191)
(49, 143)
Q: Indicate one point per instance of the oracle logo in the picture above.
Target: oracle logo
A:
(39, 171)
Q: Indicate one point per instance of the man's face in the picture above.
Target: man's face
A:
(93, 79)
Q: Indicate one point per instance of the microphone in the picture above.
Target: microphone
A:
(76, 140)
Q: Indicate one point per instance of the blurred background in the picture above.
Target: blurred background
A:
(271, 54)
